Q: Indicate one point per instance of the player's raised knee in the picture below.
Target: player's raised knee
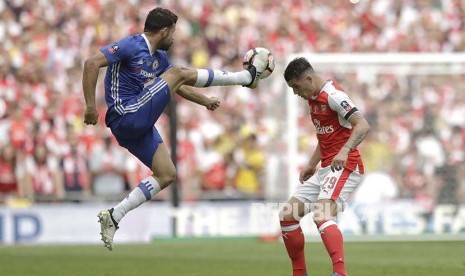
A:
(181, 72)
(178, 75)
(167, 178)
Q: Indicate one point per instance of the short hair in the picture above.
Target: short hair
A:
(158, 19)
(296, 68)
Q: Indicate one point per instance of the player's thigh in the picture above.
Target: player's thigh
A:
(150, 104)
(308, 192)
(143, 146)
(337, 186)
(177, 76)
(142, 111)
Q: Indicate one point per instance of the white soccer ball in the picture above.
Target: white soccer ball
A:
(250, 55)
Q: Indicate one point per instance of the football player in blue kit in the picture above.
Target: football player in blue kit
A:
(139, 84)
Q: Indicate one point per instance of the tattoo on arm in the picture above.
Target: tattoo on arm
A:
(358, 138)
(360, 131)
(359, 135)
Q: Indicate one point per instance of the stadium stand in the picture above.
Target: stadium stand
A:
(44, 44)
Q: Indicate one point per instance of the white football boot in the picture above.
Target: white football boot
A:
(108, 228)
(258, 66)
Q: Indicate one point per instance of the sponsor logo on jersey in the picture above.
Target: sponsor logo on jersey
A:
(147, 74)
(346, 106)
(322, 129)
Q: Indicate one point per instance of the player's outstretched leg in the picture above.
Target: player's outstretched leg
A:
(177, 76)
(248, 78)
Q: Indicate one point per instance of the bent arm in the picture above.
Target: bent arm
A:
(316, 157)
(90, 76)
(360, 131)
(187, 92)
(190, 94)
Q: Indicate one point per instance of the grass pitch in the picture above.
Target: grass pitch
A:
(245, 257)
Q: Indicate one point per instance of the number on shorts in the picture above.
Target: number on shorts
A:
(332, 182)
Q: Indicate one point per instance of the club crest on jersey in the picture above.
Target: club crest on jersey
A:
(346, 106)
(155, 64)
(112, 50)
(323, 108)
(315, 109)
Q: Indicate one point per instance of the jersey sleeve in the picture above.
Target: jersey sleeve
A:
(118, 51)
(342, 104)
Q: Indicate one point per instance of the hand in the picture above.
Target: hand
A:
(91, 116)
(306, 173)
(339, 161)
(213, 103)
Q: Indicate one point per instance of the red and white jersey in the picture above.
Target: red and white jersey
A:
(330, 112)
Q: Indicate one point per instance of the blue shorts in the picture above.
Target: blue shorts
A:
(134, 129)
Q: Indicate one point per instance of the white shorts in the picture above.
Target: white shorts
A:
(325, 184)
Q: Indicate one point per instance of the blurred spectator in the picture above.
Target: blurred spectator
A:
(213, 171)
(18, 129)
(10, 180)
(107, 167)
(75, 168)
(44, 179)
(460, 180)
(251, 161)
(376, 188)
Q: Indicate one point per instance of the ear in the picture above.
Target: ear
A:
(309, 77)
(164, 31)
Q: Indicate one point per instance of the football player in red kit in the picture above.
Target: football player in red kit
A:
(340, 128)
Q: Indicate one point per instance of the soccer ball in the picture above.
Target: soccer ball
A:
(250, 55)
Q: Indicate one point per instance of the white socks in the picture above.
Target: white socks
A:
(211, 77)
(142, 193)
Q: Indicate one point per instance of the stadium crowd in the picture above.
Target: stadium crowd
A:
(47, 153)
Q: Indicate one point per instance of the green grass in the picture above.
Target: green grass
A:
(244, 257)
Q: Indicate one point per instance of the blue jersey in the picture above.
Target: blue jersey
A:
(131, 65)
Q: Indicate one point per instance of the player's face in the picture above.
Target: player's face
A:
(303, 87)
(168, 39)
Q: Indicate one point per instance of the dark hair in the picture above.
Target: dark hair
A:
(296, 67)
(158, 19)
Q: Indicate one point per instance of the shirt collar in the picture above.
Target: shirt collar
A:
(322, 89)
(148, 44)
(326, 83)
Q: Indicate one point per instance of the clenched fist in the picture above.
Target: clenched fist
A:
(213, 103)
(91, 116)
